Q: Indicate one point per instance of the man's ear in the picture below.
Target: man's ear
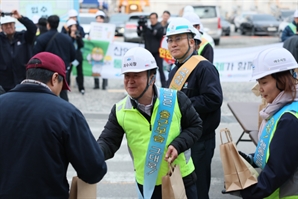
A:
(54, 79)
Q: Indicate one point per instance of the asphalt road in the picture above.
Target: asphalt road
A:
(96, 104)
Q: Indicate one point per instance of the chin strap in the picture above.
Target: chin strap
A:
(148, 84)
(189, 48)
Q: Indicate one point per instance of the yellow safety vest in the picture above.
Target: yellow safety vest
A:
(138, 132)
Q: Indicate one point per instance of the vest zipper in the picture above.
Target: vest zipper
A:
(150, 128)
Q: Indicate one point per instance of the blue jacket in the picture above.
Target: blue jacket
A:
(287, 32)
(61, 45)
(204, 91)
(40, 135)
(15, 54)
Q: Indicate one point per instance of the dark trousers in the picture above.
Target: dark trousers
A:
(104, 83)
(80, 77)
(191, 191)
(159, 63)
(202, 154)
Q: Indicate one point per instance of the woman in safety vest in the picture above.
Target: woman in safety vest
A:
(277, 150)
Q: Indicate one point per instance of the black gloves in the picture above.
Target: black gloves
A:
(248, 158)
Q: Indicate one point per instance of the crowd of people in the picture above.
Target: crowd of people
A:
(41, 134)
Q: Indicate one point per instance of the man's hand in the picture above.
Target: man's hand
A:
(171, 154)
(16, 14)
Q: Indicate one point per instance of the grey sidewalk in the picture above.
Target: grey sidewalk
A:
(119, 181)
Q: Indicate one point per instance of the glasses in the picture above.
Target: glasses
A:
(176, 40)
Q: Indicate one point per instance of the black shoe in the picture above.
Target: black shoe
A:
(82, 91)
(96, 87)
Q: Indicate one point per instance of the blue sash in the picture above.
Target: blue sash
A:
(158, 139)
(260, 157)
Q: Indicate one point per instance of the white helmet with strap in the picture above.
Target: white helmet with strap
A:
(198, 35)
(192, 17)
(100, 13)
(7, 19)
(136, 60)
(71, 22)
(179, 25)
(188, 9)
(272, 60)
(72, 13)
(296, 14)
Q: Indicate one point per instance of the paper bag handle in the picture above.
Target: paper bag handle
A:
(171, 169)
(228, 135)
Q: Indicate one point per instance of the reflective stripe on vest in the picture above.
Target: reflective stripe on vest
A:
(293, 28)
(138, 134)
(263, 145)
(262, 151)
(202, 45)
(159, 136)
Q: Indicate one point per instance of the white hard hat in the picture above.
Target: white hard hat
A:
(179, 25)
(202, 28)
(296, 14)
(35, 19)
(72, 13)
(188, 9)
(193, 18)
(100, 13)
(137, 59)
(272, 60)
(7, 19)
(71, 22)
(198, 35)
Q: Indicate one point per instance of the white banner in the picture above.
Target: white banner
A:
(233, 64)
(102, 31)
(112, 65)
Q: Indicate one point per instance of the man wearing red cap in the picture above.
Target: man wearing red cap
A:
(42, 133)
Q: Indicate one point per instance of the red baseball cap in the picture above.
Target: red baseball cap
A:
(51, 62)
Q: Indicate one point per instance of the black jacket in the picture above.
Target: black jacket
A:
(40, 135)
(208, 53)
(15, 54)
(191, 124)
(61, 45)
(78, 43)
(80, 28)
(152, 36)
(204, 91)
(291, 45)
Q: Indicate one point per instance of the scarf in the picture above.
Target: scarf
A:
(280, 101)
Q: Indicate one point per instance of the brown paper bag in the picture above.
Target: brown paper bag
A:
(237, 173)
(82, 190)
(172, 184)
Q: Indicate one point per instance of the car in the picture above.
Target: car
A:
(226, 27)
(261, 24)
(130, 28)
(210, 18)
(284, 24)
(283, 14)
(241, 18)
(119, 20)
